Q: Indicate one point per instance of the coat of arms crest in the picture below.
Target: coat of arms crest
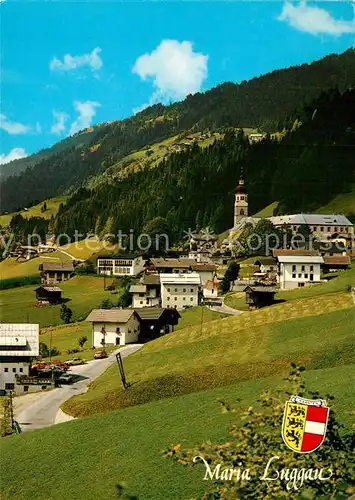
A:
(304, 424)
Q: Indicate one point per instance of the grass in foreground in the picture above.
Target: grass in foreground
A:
(18, 305)
(126, 445)
(249, 346)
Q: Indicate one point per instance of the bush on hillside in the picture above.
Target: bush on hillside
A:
(255, 437)
(20, 281)
(46, 352)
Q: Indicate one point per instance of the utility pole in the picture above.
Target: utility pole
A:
(122, 373)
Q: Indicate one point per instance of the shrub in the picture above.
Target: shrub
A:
(73, 351)
(82, 340)
(256, 434)
(65, 313)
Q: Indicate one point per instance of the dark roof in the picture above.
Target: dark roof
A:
(203, 266)
(329, 246)
(147, 313)
(150, 279)
(261, 289)
(53, 266)
(161, 262)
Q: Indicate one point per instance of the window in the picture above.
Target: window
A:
(303, 269)
(311, 277)
(9, 387)
(191, 299)
(168, 298)
(184, 298)
(306, 276)
(322, 229)
(175, 289)
(191, 290)
(242, 197)
(271, 268)
(184, 289)
(168, 289)
(212, 291)
(294, 275)
(293, 268)
(311, 268)
(14, 370)
(141, 301)
(44, 387)
(300, 275)
(141, 294)
(300, 284)
(21, 370)
(175, 298)
(6, 370)
(25, 388)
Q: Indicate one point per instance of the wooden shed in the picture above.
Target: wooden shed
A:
(259, 296)
(49, 294)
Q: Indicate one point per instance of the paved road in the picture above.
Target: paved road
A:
(225, 309)
(42, 411)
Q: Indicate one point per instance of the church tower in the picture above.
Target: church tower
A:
(241, 201)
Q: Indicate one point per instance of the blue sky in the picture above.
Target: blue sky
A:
(66, 65)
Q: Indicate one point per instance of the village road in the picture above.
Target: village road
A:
(42, 410)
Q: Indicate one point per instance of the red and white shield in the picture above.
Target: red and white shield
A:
(304, 424)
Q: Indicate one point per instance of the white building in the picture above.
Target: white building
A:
(319, 224)
(180, 290)
(210, 289)
(114, 326)
(299, 270)
(206, 271)
(120, 265)
(19, 344)
(147, 293)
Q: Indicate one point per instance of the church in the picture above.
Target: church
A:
(323, 226)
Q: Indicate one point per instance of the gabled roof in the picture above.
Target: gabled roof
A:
(261, 289)
(312, 220)
(203, 266)
(162, 262)
(60, 266)
(150, 279)
(49, 289)
(337, 260)
(21, 337)
(154, 313)
(138, 289)
(114, 315)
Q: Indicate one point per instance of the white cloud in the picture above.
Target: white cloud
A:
(175, 69)
(14, 154)
(314, 20)
(92, 60)
(13, 128)
(38, 128)
(86, 112)
(59, 122)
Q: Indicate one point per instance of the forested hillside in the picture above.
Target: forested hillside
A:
(269, 102)
(193, 188)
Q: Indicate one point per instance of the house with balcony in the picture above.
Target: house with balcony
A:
(120, 264)
(147, 292)
(53, 273)
(19, 345)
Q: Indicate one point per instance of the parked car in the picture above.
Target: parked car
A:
(74, 361)
(100, 354)
(66, 378)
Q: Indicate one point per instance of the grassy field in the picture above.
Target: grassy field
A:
(316, 332)
(126, 445)
(11, 268)
(35, 211)
(86, 248)
(342, 204)
(196, 316)
(237, 301)
(267, 211)
(18, 305)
